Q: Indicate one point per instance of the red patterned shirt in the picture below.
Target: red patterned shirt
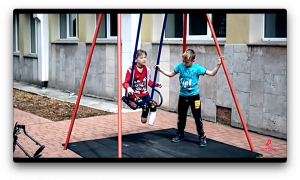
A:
(140, 80)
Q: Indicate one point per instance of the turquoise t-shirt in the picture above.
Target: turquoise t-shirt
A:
(188, 78)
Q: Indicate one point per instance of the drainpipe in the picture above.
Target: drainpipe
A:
(43, 49)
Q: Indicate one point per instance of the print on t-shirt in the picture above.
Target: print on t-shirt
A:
(186, 79)
(140, 86)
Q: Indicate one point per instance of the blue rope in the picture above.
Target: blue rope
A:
(159, 51)
(134, 54)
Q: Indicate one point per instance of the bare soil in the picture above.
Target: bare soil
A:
(51, 109)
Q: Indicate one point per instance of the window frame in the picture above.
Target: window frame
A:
(36, 34)
(206, 37)
(108, 25)
(68, 28)
(263, 33)
(16, 23)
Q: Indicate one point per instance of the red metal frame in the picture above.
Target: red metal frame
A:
(83, 81)
(184, 32)
(229, 81)
(119, 88)
(119, 80)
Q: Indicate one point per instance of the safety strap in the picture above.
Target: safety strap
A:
(159, 52)
(134, 54)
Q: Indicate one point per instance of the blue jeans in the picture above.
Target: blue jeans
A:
(147, 105)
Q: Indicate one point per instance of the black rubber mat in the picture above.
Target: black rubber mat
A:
(157, 144)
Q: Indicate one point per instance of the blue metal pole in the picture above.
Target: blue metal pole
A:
(159, 51)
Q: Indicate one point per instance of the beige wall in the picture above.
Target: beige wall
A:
(237, 29)
(255, 27)
(82, 27)
(146, 28)
(157, 21)
(241, 28)
(54, 27)
(24, 34)
(87, 26)
(90, 27)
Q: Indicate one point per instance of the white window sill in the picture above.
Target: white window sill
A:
(16, 53)
(268, 43)
(76, 42)
(65, 41)
(191, 42)
(31, 55)
(104, 41)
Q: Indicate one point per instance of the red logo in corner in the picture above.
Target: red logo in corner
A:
(268, 144)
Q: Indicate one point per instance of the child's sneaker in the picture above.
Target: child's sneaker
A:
(143, 120)
(202, 141)
(178, 138)
(152, 116)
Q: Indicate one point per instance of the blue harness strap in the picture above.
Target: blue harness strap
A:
(137, 102)
(159, 52)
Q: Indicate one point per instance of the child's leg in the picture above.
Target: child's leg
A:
(152, 106)
(183, 105)
(196, 111)
(145, 111)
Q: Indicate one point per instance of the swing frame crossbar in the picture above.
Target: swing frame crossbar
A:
(119, 76)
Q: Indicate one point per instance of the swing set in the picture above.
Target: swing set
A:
(135, 103)
(138, 102)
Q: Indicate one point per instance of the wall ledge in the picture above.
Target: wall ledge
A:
(269, 43)
(31, 56)
(189, 42)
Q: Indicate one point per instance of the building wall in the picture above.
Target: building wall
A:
(237, 29)
(24, 34)
(25, 69)
(146, 28)
(68, 63)
(257, 72)
(258, 76)
(24, 63)
(255, 27)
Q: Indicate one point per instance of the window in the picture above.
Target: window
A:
(275, 27)
(68, 26)
(197, 26)
(33, 34)
(16, 33)
(108, 26)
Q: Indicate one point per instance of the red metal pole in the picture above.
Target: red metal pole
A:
(119, 68)
(83, 81)
(184, 32)
(229, 82)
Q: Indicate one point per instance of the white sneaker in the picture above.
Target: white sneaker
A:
(152, 116)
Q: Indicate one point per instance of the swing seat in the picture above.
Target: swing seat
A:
(130, 102)
(135, 103)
